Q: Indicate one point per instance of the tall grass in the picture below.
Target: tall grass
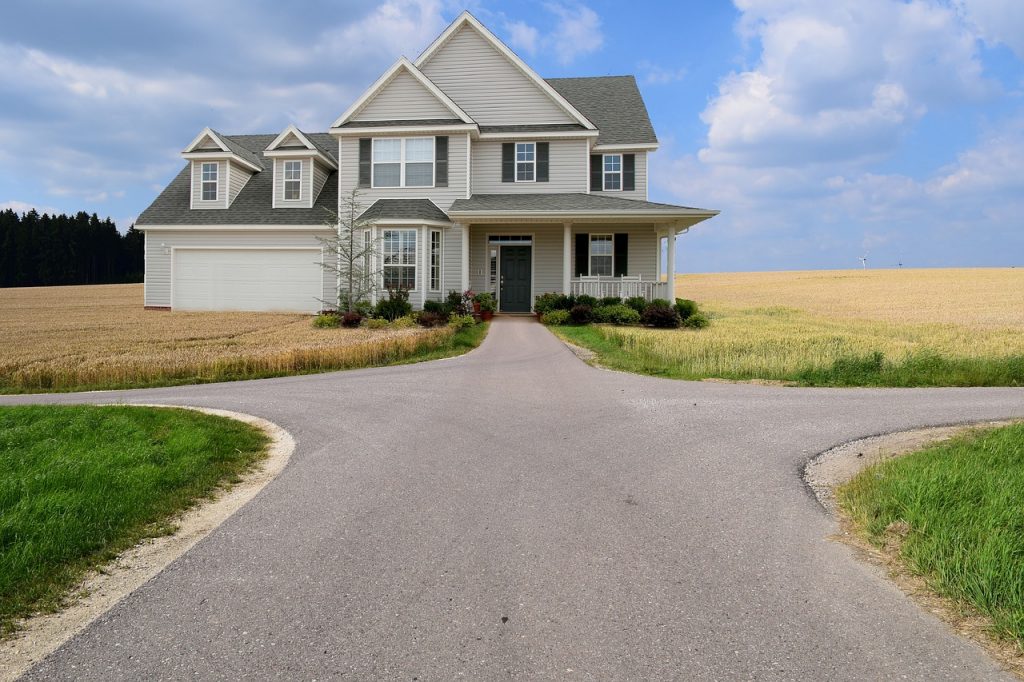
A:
(959, 511)
(80, 484)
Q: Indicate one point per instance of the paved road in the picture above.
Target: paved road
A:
(515, 513)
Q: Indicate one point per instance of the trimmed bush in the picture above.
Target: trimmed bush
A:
(459, 303)
(547, 302)
(351, 320)
(697, 320)
(620, 314)
(584, 299)
(396, 305)
(555, 317)
(404, 322)
(458, 322)
(376, 323)
(327, 320)
(610, 300)
(637, 303)
(428, 319)
(660, 314)
(437, 307)
(685, 307)
(582, 313)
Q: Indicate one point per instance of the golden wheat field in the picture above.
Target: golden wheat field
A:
(776, 325)
(91, 336)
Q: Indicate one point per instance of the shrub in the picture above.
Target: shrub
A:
(584, 299)
(637, 303)
(404, 322)
(376, 323)
(459, 303)
(458, 322)
(616, 314)
(610, 300)
(327, 320)
(685, 307)
(486, 302)
(697, 320)
(428, 318)
(396, 305)
(582, 314)
(659, 313)
(351, 320)
(435, 307)
(548, 302)
(364, 308)
(555, 317)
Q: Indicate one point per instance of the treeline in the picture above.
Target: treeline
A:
(45, 250)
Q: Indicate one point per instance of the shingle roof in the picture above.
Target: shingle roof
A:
(253, 204)
(404, 209)
(238, 149)
(542, 203)
(324, 143)
(613, 104)
(532, 128)
(404, 122)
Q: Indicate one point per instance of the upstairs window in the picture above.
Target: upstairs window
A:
(526, 161)
(209, 172)
(602, 251)
(399, 250)
(403, 162)
(612, 172)
(292, 180)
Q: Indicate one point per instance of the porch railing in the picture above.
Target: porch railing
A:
(623, 287)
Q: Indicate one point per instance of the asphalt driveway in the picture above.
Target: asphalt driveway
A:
(515, 513)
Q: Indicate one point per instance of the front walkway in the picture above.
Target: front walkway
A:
(515, 513)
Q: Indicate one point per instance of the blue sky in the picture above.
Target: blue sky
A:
(821, 130)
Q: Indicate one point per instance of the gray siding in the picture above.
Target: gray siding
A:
(452, 271)
(442, 196)
(320, 173)
(197, 185)
(488, 86)
(238, 176)
(403, 98)
(304, 200)
(641, 179)
(159, 244)
(643, 247)
(568, 169)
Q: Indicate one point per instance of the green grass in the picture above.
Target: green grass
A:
(79, 484)
(674, 361)
(963, 506)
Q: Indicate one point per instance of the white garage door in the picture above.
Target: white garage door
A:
(247, 279)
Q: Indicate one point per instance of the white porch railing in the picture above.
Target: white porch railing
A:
(623, 287)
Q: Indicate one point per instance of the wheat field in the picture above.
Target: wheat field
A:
(929, 327)
(101, 337)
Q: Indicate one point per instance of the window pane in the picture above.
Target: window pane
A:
(613, 162)
(419, 174)
(612, 181)
(387, 174)
(399, 249)
(387, 150)
(524, 172)
(209, 172)
(601, 245)
(524, 151)
(601, 265)
(419, 149)
(209, 191)
(292, 190)
(292, 170)
(435, 261)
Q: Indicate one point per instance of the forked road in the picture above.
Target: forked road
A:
(515, 513)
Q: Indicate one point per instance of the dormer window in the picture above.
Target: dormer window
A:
(612, 172)
(210, 181)
(526, 161)
(292, 180)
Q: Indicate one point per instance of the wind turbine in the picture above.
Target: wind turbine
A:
(864, 261)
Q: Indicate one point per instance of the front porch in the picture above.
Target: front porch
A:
(621, 287)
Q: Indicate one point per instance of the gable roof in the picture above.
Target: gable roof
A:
(226, 145)
(306, 141)
(467, 19)
(614, 104)
(253, 205)
(402, 65)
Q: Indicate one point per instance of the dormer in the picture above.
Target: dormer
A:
(220, 169)
(301, 167)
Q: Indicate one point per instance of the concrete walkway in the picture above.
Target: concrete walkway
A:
(515, 513)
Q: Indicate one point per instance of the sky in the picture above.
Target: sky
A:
(822, 131)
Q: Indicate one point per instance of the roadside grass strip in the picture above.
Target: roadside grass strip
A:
(953, 513)
(80, 484)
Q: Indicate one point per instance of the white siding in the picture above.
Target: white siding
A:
(642, 258)
(568, 169)
(452, 256)
(641, 179)
(442, 196)
(159, 245)
(404, 98)
(237, 177)
(486, 85)
(197, 185)
(320, 173)
(304, 194)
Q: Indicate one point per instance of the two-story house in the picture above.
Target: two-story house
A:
(477, 174)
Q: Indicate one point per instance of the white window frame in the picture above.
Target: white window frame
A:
(402, 162)
(605, 173)
(384, 254)
(436, 268)
(590, 253)
(532, 164)
(287, 180)
(203, 181)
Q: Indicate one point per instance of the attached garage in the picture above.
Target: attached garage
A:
(249, 279)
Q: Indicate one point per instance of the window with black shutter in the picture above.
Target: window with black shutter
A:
(441, 161)
(596, 172)
(628, 172)
(508, 162)
(621, 254)
(582, 254)
(365, 160)
(542, 161)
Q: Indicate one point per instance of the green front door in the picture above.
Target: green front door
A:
(515, 279)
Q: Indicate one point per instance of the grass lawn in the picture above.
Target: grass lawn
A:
(835, 328)
(957, 511)
(99, 337)
(80, 484)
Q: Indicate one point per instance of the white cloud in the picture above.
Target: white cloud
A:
(997, 21)
(577, 33)
(523, 37)
(25, 207)
(653, 74)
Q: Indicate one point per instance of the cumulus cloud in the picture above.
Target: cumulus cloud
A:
(655, 74)
(577, 33)
(25, 207)
(522, 36)
(997, 21)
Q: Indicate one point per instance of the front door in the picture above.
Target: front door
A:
(515, 279)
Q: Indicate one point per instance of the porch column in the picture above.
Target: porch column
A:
(671, 269)
(464, 270)
(567, 259)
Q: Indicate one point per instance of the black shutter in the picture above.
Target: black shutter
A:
(365, 153)
(621, 254)
(441, 161)
(542, 162)
(582, 254)
(628, 172)
(596, 171)
(508, 162)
